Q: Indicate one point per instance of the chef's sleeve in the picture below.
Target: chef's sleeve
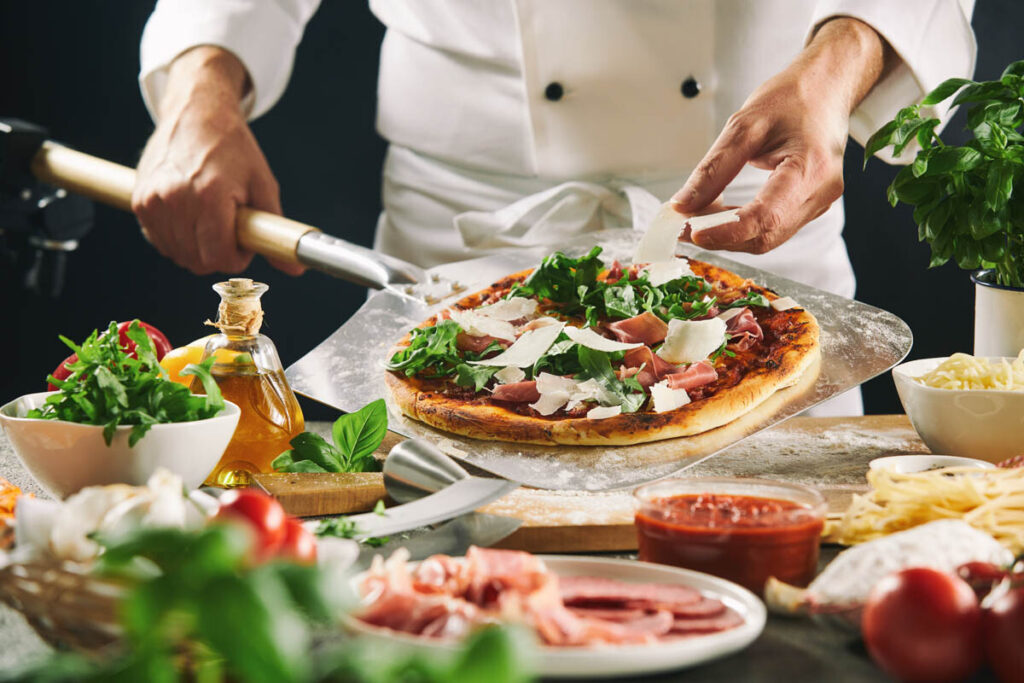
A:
(933, 41)
(263, 34)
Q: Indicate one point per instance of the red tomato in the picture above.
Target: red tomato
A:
(923, 625)
(1002, 626)
(981, 576)
(160, 341)
(261, 513)
(299, 544)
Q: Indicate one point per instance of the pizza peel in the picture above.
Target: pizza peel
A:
(346, 371)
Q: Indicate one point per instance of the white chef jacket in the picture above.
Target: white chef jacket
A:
(523, 122)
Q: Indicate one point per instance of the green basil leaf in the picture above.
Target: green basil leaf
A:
(357, 435)
(313, 447)
(881, 138)
(1014, 69)
(944, 90)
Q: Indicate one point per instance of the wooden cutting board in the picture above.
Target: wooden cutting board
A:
(831, 454)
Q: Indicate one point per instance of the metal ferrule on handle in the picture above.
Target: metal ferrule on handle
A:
(270, 235)
(354, 263)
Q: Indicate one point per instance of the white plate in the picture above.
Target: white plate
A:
(613, 660)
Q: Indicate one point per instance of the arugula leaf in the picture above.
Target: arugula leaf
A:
(356, 436)
(110, 388)
(476, 376)
(432, 351)
(597, 366)
(749, 299)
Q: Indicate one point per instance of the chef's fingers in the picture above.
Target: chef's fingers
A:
(782, 207)
(167, 213)
(740, 140)
(215, 234)
(714, 207)
(265, 195)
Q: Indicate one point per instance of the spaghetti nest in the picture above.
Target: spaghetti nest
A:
(991, 500)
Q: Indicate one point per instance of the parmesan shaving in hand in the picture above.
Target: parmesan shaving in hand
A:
(962, 371)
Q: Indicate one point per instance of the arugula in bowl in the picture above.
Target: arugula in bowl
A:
(109, 387)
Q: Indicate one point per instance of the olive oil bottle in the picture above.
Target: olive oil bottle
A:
(249, 373)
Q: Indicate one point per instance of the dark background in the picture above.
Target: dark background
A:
(72, 67)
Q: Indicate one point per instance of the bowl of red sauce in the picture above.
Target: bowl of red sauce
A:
(743, 530)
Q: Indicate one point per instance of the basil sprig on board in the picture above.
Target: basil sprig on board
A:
(356, 436)
(963, 197)
(109, 387)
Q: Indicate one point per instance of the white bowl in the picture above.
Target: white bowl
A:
(983, 424)
(65, 457)
(907, 464)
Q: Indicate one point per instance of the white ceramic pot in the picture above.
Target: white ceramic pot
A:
(998, 316)
(65, 457)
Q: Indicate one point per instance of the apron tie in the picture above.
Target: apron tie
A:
(558, 214)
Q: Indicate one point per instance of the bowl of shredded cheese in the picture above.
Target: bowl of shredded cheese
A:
(964, 405)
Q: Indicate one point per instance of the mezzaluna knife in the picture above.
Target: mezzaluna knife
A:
(459, 498)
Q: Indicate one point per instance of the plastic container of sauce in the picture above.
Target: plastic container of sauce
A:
(743, 530)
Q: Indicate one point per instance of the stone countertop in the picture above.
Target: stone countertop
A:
(788, 650)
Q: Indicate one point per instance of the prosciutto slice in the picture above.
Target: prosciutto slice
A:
(744, 330)
(468, 342)
(655, 368)
(696, 375)
(645, 328)
(517, 392)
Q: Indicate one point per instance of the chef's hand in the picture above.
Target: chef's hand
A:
(200, 164)
(795, 125)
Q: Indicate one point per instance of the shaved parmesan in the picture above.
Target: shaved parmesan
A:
(557, 392)
(660, 272)
(713, 220)
(554, 392)
(784, 304)
(589, 390)
(477, 325)
(509, 375)
(690, 341)
(548, 383)
(729, 313)
(526, 350)
(666, 398)
(510, 309)
(584, 336)
(601, 412)
(661, 236)
(549, 403)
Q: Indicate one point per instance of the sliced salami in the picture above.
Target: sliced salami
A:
(581, 590)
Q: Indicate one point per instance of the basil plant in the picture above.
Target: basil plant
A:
(964, 202)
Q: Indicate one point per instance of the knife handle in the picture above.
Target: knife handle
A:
(265, 233)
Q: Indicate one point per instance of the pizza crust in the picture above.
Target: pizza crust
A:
(481, 420)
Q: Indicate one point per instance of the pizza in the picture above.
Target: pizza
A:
(580, 352)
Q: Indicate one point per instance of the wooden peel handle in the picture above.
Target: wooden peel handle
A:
(265, 233)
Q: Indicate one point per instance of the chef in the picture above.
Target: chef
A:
(526, 122)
